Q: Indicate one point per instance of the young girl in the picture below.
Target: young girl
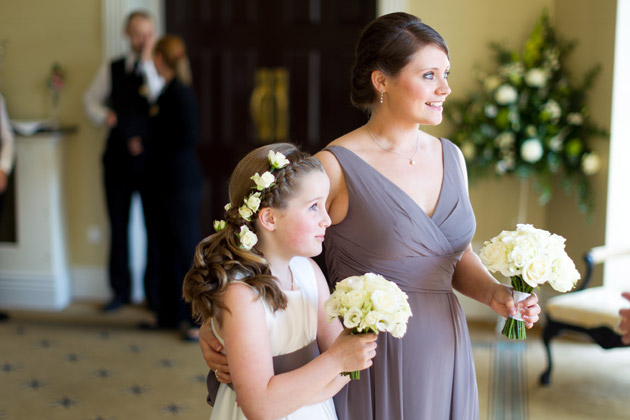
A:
(264, 296)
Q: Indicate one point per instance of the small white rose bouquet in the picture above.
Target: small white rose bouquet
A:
(369, 303)
(530, 257)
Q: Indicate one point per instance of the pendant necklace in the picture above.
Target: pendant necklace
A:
(411, 161)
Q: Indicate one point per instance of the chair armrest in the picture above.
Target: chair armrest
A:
(598, 255)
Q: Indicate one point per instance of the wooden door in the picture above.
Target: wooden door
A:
(288, 60)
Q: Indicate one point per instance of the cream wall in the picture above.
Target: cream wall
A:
(40, 32)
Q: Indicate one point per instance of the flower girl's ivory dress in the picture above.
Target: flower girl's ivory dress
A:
(429, 373)
(289, 330)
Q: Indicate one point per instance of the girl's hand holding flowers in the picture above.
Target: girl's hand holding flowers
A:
(354, 351)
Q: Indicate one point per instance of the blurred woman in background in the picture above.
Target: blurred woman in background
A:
(174, 178)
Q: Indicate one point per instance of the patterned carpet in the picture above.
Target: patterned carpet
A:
(80, 364)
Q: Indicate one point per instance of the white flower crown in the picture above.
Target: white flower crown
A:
(251, 202)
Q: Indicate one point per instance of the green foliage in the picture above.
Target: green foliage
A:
(529, 119)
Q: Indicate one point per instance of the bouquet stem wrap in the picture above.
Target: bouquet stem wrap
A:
(514, 328)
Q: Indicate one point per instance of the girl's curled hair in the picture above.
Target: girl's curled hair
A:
(219, 259)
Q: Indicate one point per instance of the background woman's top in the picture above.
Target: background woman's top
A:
(429, 373)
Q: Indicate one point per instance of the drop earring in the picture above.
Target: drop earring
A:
(381, 96)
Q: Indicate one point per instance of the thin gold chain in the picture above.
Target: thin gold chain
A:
(411, 161)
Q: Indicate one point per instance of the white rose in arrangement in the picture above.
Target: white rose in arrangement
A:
(263, 181)
(494, 256)
(553, 109)
(506, 95)
(536, 78)
(591, 163)
(491, 111)
(354, 297)
(247, 238)
(531, 150)
(399, 330)
(277, 160)
(566, 275)
(352, 318)
(575, 118)
(228, 206)
(537, 271)
(555, 143)
(371, 319)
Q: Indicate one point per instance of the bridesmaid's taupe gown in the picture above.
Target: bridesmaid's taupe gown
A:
(429, 373)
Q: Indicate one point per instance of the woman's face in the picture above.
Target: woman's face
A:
(418, 92)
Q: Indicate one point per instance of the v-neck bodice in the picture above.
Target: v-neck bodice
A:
(386, 231)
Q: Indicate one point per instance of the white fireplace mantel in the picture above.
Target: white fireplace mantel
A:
(34, 269)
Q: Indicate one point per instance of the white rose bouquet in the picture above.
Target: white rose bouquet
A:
(369, 303)
(530, 257)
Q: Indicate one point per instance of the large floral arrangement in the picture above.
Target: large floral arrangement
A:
(530, 257)
(369, 303)
(530, 119)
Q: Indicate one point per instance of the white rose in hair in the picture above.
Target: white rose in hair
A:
(247, 238)
(277, 160)
(253, 201)
(245, 212)
(263, 181)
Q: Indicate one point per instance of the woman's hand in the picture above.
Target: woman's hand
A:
(354, 351)
(502, 302)
(211, 349)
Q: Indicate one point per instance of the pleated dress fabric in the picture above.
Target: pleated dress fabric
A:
(429, 373)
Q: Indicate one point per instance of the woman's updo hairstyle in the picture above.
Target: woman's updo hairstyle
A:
(219, 259)
(387, 44)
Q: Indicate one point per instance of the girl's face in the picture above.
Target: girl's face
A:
(301, 225)
(419, 90)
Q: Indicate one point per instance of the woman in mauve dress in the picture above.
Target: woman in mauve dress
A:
(399, 207)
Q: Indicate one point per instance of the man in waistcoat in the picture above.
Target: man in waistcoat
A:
(120, 98)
